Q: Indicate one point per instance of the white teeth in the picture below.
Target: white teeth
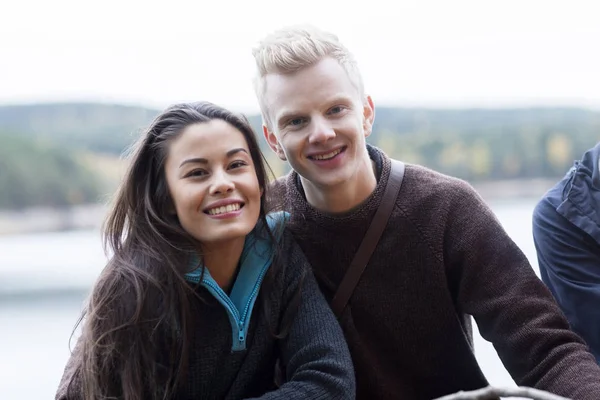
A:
(328, 155)
(224, 209)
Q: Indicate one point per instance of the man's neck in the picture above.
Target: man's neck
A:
(345, 196)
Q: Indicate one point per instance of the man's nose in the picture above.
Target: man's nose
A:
(321, 131)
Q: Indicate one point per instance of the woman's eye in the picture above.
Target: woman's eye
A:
(238, 164)
(196, 173)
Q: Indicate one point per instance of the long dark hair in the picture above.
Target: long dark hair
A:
(139, 308)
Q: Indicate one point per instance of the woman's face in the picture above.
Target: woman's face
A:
(213, 182)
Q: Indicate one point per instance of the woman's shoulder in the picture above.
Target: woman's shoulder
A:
(289, 257)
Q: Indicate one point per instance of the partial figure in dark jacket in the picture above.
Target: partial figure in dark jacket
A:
(205, 296)
(566, 233)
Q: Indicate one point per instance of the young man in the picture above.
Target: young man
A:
(566, 233)
(442, 257)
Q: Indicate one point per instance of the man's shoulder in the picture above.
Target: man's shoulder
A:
(430, 197)
(422, 182)
(571, 202)
(279, 183)
(548, 204)
(277, 193)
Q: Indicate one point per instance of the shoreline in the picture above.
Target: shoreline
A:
(91, 216)
(46, 219)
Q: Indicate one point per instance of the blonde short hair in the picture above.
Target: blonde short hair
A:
(293, 48)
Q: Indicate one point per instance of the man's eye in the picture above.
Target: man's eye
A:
(296, 121)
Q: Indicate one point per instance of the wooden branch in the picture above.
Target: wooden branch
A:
(494, 393)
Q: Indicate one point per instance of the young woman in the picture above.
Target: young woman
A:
(204, 292)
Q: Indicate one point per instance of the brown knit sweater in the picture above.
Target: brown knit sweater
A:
(443, 258)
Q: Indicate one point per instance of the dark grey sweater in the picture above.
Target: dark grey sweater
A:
(442, 257)
(315, 355)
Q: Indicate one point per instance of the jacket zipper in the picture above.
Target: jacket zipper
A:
(230, 306)
(241, 321)
(254, 293)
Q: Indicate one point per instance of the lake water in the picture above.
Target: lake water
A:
(44, 279)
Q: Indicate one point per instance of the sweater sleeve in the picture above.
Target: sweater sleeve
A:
(512, 307)
(314, 353)
(69, 387)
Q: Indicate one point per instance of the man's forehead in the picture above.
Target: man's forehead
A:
(324, 72)
(281, 97)
(314, 87)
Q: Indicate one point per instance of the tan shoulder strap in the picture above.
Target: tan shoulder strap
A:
(369, 242)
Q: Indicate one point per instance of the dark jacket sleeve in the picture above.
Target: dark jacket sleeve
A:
(513, 308)
(569, 263)
(314, 354)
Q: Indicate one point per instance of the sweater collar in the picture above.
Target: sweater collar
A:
(303, 210)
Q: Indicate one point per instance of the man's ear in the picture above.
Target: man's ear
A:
(368, 116)
(271, 139)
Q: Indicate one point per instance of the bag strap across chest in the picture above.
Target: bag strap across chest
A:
(370, 240)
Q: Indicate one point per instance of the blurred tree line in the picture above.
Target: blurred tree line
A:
(34, 173)
(51, 156)
(484, 145)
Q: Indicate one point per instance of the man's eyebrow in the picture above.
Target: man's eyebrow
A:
(199, 160)
(338, 98)
(286, 116)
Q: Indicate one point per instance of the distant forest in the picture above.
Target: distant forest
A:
(50, 153)
(35, 173)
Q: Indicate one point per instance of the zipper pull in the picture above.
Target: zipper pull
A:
(241, 336)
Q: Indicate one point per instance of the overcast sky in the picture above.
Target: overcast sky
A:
(449, 53)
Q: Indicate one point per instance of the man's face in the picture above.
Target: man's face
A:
(319, 123)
